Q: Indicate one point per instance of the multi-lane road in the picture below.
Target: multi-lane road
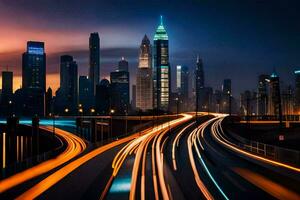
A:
(180, 159)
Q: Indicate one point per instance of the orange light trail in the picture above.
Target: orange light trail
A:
(52, 179)
(140, 146)
(75, 146)
(219, 138)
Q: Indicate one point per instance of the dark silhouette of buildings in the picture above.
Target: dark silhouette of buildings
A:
(120, 91)
(67, 96)
(84, 93)
(199, 83)
(7, 93)
(49, 102)
(103, 96)
(297, 91)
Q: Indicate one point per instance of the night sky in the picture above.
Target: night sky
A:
(236, 39)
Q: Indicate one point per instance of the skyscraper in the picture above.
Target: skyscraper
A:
(178, 78)
(123, 65)
(120, 91)
(94, 71)
(49, 102)
(33, 79)
(69, 82)
(34, 66)
(84, 93)
(7, 93)
(161, 69)
(199, 83)
(184, 82)
(262, 94)
(7, 87)
(226, 90)
(103, 97)
(297, 91)
(144, 82)
(274, 96)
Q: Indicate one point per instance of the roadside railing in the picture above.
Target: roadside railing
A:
(284, 155)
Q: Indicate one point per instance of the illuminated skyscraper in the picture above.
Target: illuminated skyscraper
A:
(178, 77)
(94, 71)
(144, 84)
(34, 66)
(161, 69)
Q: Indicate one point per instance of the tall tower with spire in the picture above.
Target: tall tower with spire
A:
(144, 84)
(161, 69)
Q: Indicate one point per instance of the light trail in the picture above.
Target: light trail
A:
(194, 140)
(49, 181)
(176, 144)
(140, 146)
(75, 146)
(275, 189)
(217, 135)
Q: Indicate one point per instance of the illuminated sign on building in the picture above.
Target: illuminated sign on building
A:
(35, 50)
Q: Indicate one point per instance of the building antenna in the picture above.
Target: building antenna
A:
(161, 20)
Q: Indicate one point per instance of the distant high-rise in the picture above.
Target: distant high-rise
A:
(34, 66)
(184, 82)
(123, 65)
(274, 96)
(84, 93)
(69, 82)
(49, 100)
(144, 82)
(297, 91)
(227, 96)
(226, 87)
(199, 83)
(94, 71)
(103, 97)
(120, 91)
(178, 77)
(7, 87)
(262, 94)
(133, 97)
(7, 93)
(161, 69)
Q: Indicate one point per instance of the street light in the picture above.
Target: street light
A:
(66, 110)
(177, 105)
(112, 111)
(92, 111)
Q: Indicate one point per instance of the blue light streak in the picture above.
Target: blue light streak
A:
(212, 178)
(120, 185)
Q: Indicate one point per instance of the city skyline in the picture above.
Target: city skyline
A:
(235, 55)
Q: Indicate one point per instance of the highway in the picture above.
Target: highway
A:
(180, 159)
